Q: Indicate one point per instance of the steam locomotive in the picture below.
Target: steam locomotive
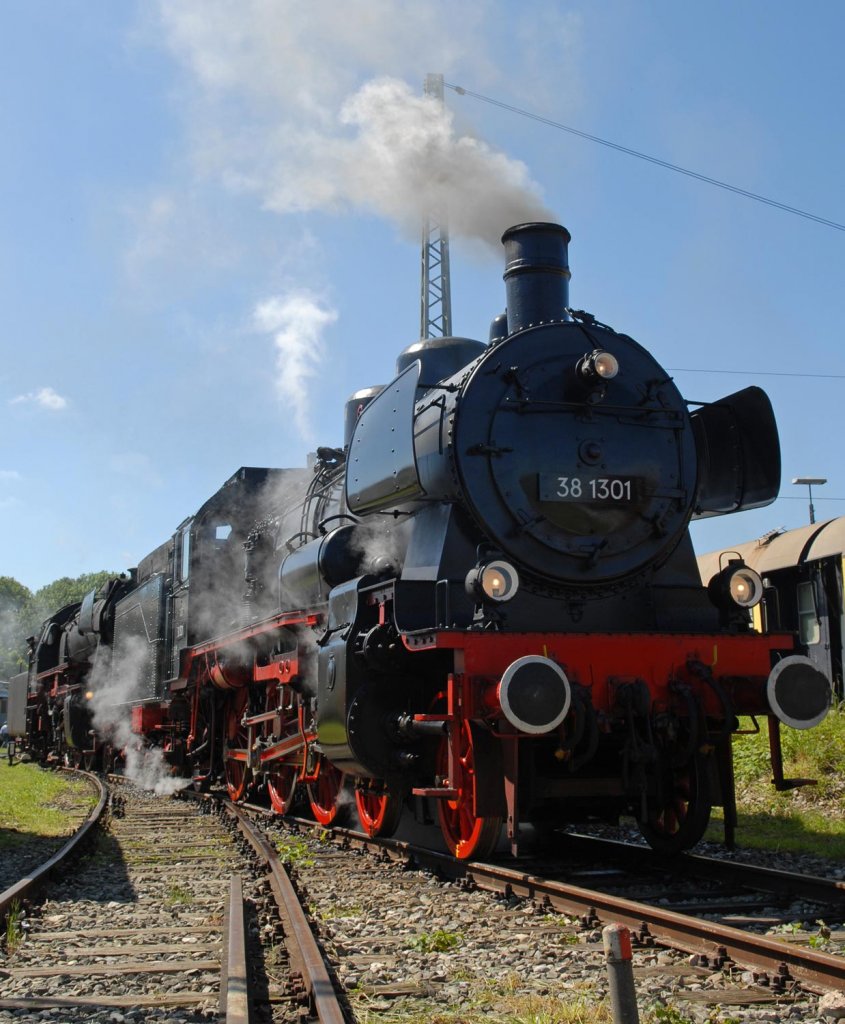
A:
(486, 602)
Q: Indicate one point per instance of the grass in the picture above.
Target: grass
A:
(810, 819)
(14, 928)
(178, 896)
(439, 941)
(487, 1007)
(294, 852)
(34, 802)
(505, 1002)
(335, 911)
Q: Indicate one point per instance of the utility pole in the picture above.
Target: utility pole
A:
(810, 482)
(436, 294)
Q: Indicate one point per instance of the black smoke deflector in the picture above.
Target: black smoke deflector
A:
(738, 450)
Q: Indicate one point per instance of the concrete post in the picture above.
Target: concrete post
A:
(620, 974)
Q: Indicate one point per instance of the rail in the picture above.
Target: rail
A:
(304, 953)
(716, 944)
(27, 887)
(234, 978)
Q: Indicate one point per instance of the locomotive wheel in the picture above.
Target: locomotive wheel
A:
(467, 835)
(682, 819)
(378, 811)
(283, 776)
(324, 794)
(281, 787)
(238, 774)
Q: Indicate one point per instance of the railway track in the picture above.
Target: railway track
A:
(675, 910)
(723, 963)
(152, 923)
(724, 890)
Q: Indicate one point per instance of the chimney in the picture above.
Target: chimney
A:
(536, 274)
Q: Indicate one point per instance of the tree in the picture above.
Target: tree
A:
(22, 612)
(15, 600)
(65, 591)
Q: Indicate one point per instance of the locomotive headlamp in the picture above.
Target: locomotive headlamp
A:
(598, 365)
(89, 694)
(736, 585)
(496, 581)
(746, 587)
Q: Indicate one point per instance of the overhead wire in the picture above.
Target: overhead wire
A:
(759, 373)
(461, 91)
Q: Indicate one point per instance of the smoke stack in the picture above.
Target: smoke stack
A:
(536, 274)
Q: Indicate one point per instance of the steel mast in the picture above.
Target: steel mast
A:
(436, 295)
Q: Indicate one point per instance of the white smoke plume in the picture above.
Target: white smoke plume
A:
(407, 160)
(280, 109)
(297, 321)
(379, 542)
(114, 683)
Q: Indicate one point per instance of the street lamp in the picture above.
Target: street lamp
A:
(810, 482)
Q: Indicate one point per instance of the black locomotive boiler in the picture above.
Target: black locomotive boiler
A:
(487, 599)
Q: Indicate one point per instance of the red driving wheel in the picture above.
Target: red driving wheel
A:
(235, 749)
(379, 810)
(467, 835)
(283, 776)
(324, 794)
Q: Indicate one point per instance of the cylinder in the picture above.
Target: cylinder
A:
(536, 274)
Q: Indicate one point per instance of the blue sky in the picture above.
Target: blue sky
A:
(196, 192)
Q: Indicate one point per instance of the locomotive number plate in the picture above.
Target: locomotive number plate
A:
(606, 490)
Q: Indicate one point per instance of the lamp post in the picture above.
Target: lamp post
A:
(810, 482)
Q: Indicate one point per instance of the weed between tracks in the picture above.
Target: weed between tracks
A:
(14, 927)
(293, 851)
(439, 941)
(504, 1004)
(178, 896)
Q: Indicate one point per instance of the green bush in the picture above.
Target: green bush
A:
(817, 753)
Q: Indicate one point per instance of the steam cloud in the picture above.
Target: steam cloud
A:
(407, 161)
(280, 110)
(307, 107)
(297, 322)
(114, 682)
(378, 543)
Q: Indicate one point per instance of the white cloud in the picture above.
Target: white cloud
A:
(8, 475)
(297, 321)
(45, 398)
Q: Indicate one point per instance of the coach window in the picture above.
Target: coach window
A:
(808, 621)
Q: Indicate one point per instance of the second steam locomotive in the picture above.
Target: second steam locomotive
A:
(486, 602)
